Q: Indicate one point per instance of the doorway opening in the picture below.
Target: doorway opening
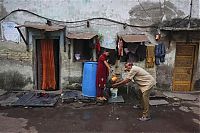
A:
(47, 64)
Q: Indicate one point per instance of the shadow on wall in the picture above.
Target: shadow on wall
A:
(13, 80)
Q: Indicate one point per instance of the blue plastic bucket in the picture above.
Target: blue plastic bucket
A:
(89, 79)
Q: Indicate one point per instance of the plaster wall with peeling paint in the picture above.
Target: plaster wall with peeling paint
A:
(142, 12)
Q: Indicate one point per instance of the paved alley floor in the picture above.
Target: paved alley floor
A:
(81, 117)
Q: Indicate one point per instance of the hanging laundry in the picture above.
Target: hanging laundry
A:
(131, 52)
(120, 47)
(160, 52)
(141, 52)
(150, 56)
(98, 47)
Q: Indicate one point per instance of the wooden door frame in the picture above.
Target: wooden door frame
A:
(195, 63)
(196, 47)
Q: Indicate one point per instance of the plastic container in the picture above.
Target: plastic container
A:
(89, 79)
(113, 92)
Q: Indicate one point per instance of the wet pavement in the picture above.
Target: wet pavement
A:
(180, 115)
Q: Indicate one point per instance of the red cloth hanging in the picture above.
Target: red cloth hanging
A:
(98, 46)
(48, 66)
(120, 47)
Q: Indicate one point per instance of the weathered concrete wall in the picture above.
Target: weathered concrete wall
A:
(164, 71)
(15, 67)
(70, 72)
(1, 7)
(126, 11)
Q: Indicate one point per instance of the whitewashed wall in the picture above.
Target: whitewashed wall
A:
(119, 10)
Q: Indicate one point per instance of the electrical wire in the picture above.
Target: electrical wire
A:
(104, 24)
(78, 21)
(75, 26)
(90, 19)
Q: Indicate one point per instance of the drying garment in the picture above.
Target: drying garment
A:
(160, 52)
(150, 56)
(98, 47)
(131, 52)
(102, 75)
(48, 65)
(120, 47)
(141, 52)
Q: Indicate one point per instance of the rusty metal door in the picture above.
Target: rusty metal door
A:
(183, 69)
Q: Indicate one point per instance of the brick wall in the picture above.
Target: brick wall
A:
(16, 55)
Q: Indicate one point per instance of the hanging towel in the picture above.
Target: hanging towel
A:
(150, 56)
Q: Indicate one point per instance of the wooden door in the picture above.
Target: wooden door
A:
(183, 69)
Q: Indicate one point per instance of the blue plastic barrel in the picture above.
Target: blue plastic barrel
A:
(89, 79)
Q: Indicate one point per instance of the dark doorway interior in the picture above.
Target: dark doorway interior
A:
(82, 49)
